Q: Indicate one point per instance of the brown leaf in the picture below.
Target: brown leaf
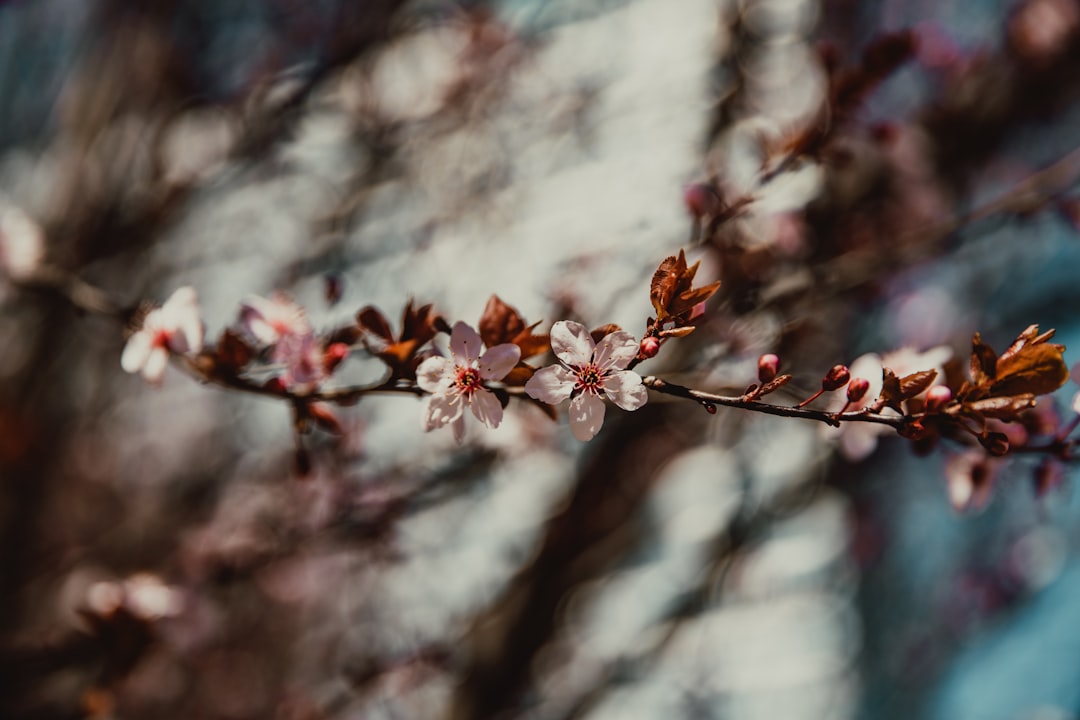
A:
(678, 331)
(519, 375)
(983, 361)
(232, 352)
(398, 353)
(532, 344)
(1003, 408)
(1025, 338)
(1036, 369)
(672, 292)
(419, 324)
(375, 322)
(892, 394)
(686, 301)
(603, 331)
(913, 384)
(499, 323)
(665, 281)
(773, 385)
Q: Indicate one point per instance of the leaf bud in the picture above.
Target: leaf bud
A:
(937, 397)
(996, 443)
(836, 378)
(649, 346)
(857, 388)
(767, 367)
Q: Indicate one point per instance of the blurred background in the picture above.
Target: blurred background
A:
(835, 163)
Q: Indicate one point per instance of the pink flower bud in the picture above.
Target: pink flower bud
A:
(334, 355)
(767, 367)
(857, 388)
(276, 385)
(836, 378)
(649, 346)
(700, 200)
(937, 397)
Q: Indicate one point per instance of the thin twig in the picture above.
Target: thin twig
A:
(744, 403)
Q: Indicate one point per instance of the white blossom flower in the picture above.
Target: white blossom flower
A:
(458, 381)
(588, 372)
(269, 320)
(174, 327)
(858, 440)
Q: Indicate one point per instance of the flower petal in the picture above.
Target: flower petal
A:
(571, 343)
(586, 416)
(154, 368)
(551, 384)
(441, 410)
(459, 429)
(499, 360)
(624, 388)
(434, 374)
(616, 350)
(136, 352)
(487, 408)
(465, 344)
(180, 318)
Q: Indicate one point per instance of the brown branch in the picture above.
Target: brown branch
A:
(743, 402)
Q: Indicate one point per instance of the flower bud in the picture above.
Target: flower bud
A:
(649, 346)
(276, 385)
(836, 378)
(767, 367)
(996, 443)
(937, 397)
(700, 199)
(333, 356)
(857, 388)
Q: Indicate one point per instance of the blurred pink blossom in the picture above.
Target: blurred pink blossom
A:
(174, 327)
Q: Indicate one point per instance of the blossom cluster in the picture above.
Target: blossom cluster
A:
(273, 348)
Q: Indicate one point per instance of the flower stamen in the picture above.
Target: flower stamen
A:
(590, 379)
(467, 380)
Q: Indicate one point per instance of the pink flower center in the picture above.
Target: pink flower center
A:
(161, 339)
(467, 380)
(590, 379)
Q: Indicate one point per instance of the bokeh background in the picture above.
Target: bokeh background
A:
(161, 557)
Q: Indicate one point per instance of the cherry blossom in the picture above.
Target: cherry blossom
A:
(175, 327)
(858, 440)
(269, 320)
(458, 381)
(589, 371)
(304, 361)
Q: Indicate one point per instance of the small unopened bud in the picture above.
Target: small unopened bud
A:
(836, 378)
(700, 200)
(767, 367)
(334, 355)
(857, 388)
(937, 397)
(995, 443)
(276, 385)
(649, 346)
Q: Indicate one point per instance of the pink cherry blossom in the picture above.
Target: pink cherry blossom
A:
(305, 362)
(458, 381)
(175, 327)
(589, 371)
(269, 320)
